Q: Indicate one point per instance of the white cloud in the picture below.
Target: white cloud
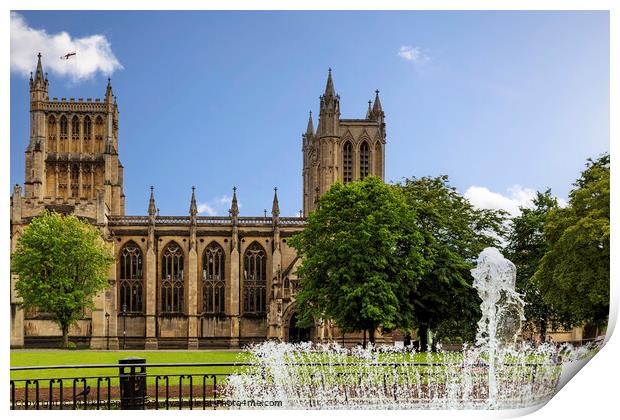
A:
(205, 208)
(94, 52)
(217, 206)
(413, 54)
(518, 196)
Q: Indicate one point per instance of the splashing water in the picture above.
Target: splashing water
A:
(502, 311)
(495, 373)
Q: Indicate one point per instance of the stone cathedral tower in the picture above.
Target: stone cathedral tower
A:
(72, 161)
(342, 150)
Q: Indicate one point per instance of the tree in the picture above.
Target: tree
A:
(454, 233)
(526, 248)
(361, 254)
(573, 276)
(62, 263)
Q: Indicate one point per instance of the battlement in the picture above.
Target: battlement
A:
(64, 100)
(88, 105)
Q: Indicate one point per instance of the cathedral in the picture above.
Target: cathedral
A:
(184, 281)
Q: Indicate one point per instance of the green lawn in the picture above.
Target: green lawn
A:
(84, 357)
(78, 357)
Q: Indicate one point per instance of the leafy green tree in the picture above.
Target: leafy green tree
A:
(454, 233)
(62, 263)
(573, 276)
(361, 254)
(526, 248)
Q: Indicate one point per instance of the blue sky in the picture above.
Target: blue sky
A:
(503, 102)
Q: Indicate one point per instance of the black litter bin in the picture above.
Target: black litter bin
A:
(132, 383)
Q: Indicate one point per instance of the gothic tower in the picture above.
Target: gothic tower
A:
(72, 154)
(342, 150)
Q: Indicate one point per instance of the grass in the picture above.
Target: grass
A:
(77, 357)
(86, 357)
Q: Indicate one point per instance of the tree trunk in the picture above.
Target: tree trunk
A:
(423, 334)
(65, 336)
(371, 335)
(364, 342)
(542, 326)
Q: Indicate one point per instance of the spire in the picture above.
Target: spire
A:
(376, 109)
(38, 78)
(329, 113)
(369, 112)
(108, 91)
(329, 88)
(39, 83)
(193, 209)
(234, 207)
(310, 129)
(152, 208)
(275, 208)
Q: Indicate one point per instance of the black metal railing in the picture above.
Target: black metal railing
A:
(138, 385)
(132, 388)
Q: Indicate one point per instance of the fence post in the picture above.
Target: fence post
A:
(132, 383)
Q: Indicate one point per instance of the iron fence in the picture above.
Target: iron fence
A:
(136, 386)
(132, 388)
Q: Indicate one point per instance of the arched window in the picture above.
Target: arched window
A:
(255, 279)
(364, 160)
(172, 279)
(131, 279)
(51, 133)
(378, 160)
(213, 279)
(75, 128)
(75, 180)
(347, 162)
(51, 128)
(99, 128)
(63, 127)
(87, 128)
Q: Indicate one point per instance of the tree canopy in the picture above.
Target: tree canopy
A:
(62, 263)
(454, 233)
(526, 247)
(361, 253)
(573, 276)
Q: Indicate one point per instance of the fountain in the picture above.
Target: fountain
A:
(502, 310)
(496, 373)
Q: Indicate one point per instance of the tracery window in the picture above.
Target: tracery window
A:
(63, 127)
(347, 162)
(87, 128)
(172, 279)
(364, 160)
(254, 279)
(99, 128)
(131, 278)
(51, 128)
(213, 286)
(51, 133)
(75, 180)
(75, 128)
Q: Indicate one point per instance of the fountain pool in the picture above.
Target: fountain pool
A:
(496, 373)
